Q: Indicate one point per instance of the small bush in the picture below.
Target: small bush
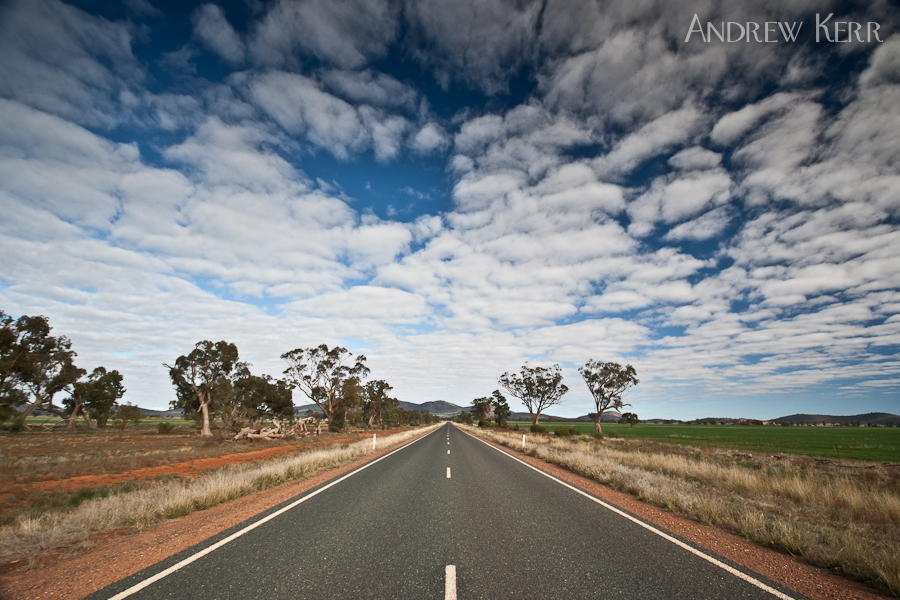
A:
(484, 423)
(516, 428)
(562, 432)
(614, 434)
(165, 427)
(538, 429)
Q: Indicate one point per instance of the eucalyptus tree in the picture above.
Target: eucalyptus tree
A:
(537, 388)
(501, 408)
(258, 397)
(607, 381)
(327, 377)
(94, 397)
(481, 409)
(377, 402)
(41, 365)
(203, 378)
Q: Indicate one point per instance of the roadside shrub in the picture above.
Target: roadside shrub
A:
(562, 432)
(484, 423)
(516, 428)
(614, 434)
(165, 427)
(538, 429)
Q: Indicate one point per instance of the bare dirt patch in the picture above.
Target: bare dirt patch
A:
(41, 470)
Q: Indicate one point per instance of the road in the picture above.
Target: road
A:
(392, 528)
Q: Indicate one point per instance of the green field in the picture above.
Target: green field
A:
(874, 444)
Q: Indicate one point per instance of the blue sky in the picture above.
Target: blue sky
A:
(455, 188)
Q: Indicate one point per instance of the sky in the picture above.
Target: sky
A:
(455, 187)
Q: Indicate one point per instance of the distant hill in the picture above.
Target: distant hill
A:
(439, 408)
(165, 414)
(864, 419)
(607, 417)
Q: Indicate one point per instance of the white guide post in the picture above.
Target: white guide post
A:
(523, 441)
(373, 441)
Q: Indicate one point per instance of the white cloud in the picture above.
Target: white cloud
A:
(216, 33)
(655, 138)
(431, 138)
(675, 198)
(345, 34)
(368, 87)
(63, 61)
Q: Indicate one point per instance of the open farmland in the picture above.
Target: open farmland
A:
(56, 471)
(876, 444)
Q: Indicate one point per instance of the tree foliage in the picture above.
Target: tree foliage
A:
(94, 397)
(327, 377)
(261, 397)
(481, 409)
(537, 388)
(630, 418)
(607, 381)
(501, 408)
(35, 364)
(377, 402)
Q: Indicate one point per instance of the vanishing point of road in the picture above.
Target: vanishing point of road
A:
(445, 516)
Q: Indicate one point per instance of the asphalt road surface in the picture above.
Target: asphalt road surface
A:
(446, 516)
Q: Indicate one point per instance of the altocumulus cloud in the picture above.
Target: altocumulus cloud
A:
(453, 188)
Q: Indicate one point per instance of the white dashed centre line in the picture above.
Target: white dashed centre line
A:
(450, 582)
(448, 450)
(448, 472)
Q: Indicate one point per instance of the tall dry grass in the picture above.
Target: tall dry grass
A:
(30, 536)
(840, 518)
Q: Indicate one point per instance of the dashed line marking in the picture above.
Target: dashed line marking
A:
(448, 472)
(450, 582)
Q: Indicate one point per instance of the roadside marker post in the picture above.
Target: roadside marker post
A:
(373, 441)
(523, 442)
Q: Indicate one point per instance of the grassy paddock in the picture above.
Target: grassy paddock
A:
(876, 444)
(144, 505)
(847, 519)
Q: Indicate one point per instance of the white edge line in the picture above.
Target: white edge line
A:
(162, 574)
(658, 532)
(450, 582)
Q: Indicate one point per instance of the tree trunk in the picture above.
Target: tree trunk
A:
(87, 417)
(534, 417)
(27, 411)
(205, 431)
(70, 420)
(597, 426)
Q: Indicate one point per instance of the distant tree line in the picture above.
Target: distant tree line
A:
(212, 382)
(539, 388)
(36, 368)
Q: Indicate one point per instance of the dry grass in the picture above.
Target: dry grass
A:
(840, 518)
(154, 502)
(25, 458)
